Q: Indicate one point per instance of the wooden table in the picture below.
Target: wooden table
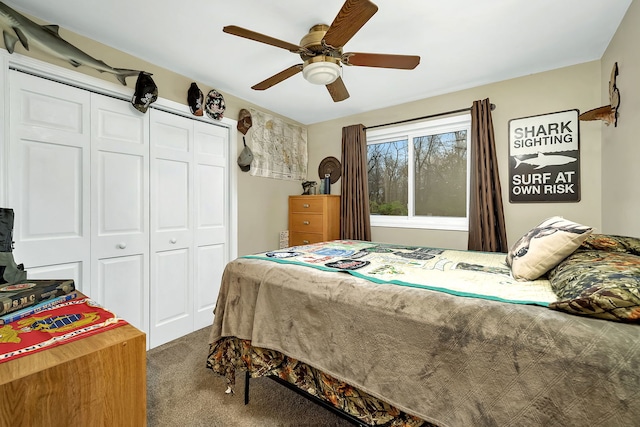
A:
(96, 381)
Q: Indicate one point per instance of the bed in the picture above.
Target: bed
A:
(472, 344)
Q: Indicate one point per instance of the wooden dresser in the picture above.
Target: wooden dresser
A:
(313, 219)
(99, 380)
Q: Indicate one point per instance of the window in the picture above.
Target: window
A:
(418, 174)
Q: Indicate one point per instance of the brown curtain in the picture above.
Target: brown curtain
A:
(355, 223)
(487, 231)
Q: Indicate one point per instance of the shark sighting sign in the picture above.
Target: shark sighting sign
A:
(544, 158)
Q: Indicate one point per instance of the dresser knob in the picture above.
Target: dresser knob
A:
(305, 222)
(306, 242)
(122, 245)
(306, 205)
(173, 240)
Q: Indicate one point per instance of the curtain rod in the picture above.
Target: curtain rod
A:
(462, 110)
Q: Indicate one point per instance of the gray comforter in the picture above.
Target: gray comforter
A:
(454, 361)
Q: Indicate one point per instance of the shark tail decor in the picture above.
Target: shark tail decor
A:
(607, 113)
(16, 27)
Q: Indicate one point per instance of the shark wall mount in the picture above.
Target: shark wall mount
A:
(18, 28)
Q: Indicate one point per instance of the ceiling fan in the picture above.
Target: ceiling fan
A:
(321, 50)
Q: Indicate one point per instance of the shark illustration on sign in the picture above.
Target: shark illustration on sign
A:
(17, 27)
(543, 160)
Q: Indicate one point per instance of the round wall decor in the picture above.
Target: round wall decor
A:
(330, 166)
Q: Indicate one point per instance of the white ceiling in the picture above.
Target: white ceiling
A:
(462, 43)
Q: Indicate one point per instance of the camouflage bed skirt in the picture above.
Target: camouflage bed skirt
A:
(231, 354)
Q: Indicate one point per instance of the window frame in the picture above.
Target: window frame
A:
(409, 131)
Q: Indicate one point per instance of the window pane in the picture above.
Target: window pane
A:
(441, 174)
(388, 172)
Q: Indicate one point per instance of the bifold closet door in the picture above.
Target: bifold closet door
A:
(189, 223)
(49, 172)
(172, 261)
(120, 209)
(211, 199)
(134, 207)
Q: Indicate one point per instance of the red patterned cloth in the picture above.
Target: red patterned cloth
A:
(58, 325)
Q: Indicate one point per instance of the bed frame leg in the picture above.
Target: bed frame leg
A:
(246, 387)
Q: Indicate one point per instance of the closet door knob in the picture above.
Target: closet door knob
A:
(122, 245)
(173, 240)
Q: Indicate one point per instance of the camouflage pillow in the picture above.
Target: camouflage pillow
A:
(598, 284)
(544, 246)
(612, 243)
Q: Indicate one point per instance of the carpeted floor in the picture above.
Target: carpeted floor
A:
(182, 392)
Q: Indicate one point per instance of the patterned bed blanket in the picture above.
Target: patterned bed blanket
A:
(463, 273)
(231, 354)
(449, 360)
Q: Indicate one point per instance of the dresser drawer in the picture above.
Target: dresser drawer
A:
(313, 219)
(312, 204)
(305, 222)
(298, 238)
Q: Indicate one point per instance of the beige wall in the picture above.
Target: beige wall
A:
(567, 88)
(621, 144)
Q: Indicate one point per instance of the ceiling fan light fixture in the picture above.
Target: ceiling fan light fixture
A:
(321, 73)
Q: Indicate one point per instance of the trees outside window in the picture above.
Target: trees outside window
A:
(418, 174)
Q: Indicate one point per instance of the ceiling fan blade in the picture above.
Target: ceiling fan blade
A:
(277, 78)
(338, 90)
(252, 35)
(353, 15)
(404, 62)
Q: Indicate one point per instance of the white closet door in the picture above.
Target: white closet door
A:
(49, 175)
(120, 209)
(172, 183)
(212, 218)
(134, 207)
